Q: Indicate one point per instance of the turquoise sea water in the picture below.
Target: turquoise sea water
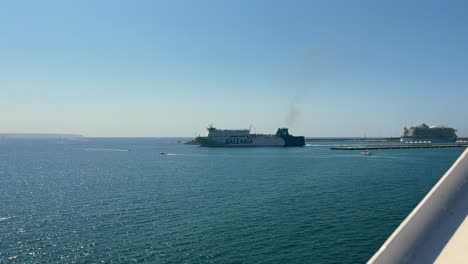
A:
(120, 201)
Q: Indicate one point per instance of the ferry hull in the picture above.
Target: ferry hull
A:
(243, 138)
(250, 142)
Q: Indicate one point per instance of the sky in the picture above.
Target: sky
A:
(170, 68)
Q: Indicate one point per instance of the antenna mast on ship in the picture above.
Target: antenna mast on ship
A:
(211, 127)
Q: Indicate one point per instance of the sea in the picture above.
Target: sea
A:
(118, 200)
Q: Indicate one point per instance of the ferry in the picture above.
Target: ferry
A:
(243, 138)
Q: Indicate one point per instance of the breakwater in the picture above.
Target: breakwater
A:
(400, 146)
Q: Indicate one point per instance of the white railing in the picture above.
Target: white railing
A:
(423, 235)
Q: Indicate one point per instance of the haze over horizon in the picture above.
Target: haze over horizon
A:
(158, 69)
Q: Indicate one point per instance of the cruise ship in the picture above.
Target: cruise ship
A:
(434, 134)
(243, 138)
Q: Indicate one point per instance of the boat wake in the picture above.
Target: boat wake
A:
(193, 155)
(167, 154)
(4, 218)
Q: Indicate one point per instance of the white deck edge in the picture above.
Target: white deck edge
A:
(424, 234)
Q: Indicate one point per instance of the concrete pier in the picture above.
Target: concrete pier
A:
(400, 146)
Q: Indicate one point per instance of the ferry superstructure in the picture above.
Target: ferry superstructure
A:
(435, 134)
(243, 138)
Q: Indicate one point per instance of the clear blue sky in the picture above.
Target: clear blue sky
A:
(154, 68)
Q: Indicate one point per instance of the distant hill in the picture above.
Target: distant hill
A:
(38, 136)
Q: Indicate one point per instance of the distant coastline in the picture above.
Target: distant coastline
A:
(39, 136)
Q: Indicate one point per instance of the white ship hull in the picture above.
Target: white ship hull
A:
(428, 139)
(250, 141)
